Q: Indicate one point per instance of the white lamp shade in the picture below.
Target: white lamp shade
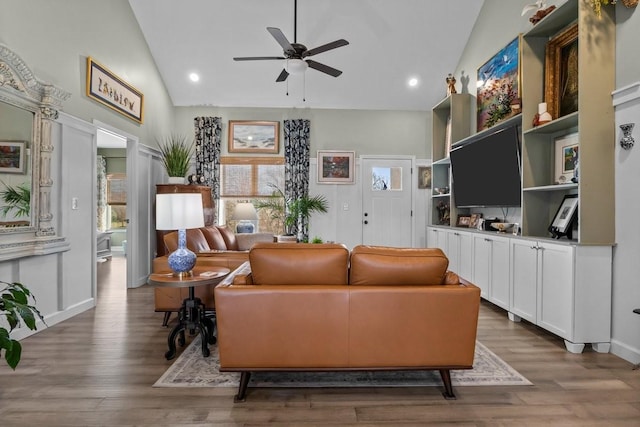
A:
(245, 212)
(176, 211)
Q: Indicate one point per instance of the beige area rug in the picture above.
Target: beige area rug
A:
(193, 370)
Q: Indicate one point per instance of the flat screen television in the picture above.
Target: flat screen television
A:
(486, 171)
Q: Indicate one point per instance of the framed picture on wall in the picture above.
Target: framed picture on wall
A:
(424, 177)
(248, 136)
(336, 167)
(110, 90)
(12, 156)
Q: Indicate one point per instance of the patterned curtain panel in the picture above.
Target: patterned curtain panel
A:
(102, 193)
(208, 131)
(296, 169)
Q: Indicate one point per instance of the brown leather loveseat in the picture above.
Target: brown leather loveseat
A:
(216, 246)
(306, 307)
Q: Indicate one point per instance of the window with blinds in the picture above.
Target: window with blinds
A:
(247, 179)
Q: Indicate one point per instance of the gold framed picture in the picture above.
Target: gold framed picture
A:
(561, 73)
(249, 136)
(110, 90)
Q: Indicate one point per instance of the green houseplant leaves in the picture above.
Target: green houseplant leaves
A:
(176, 153)
(15, 307)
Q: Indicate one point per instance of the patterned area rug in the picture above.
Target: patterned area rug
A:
(193, 370)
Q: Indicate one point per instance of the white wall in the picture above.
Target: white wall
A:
(626, 269)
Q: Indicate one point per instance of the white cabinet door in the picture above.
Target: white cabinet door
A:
(491, 268)
(556, 288)
(460, 253)
(499, 268)
(432, 237)
(465, 264)
(453, 250)
(481, 258)
(524, 279)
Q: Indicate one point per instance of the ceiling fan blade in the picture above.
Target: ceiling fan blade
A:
(323, 68)
(283, 76)
(281, 39)
(325, 47)
(257, 58)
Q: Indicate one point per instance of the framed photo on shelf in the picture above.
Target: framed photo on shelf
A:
(110, 90)
(474, 220)
(463, 221)
(12, 156)
(498, 80)
(564, 218)
(561, 73)
(249, 136)
(566, 157)
(336, 167)
(424, 177)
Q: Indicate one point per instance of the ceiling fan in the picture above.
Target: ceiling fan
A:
(296, 53)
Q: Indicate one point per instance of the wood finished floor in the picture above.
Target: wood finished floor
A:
(98, 367)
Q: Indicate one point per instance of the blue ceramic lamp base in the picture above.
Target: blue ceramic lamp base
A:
(182, 260)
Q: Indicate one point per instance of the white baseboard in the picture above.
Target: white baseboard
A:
(52, 319)
(625, 352)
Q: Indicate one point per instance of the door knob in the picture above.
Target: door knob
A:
(366, 214)
(366, 222)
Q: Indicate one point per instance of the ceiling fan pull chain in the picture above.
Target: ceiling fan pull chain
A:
(304, 87)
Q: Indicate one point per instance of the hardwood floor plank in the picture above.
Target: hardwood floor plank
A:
(98, 368)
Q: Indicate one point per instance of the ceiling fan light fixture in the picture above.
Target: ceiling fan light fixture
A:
(297, 66)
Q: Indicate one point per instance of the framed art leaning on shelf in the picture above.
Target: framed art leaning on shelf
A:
(566, 215)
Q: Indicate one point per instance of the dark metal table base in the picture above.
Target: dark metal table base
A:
(192, 317)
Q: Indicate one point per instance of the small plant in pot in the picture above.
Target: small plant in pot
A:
(176, 154)
(15, 308)
(292, 212)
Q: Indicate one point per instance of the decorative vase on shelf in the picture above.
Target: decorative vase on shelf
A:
(543, 115)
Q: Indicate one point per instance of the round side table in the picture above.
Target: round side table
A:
(192, 312)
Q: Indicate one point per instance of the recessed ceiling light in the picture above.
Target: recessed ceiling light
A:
(194, 77)
(413, 82)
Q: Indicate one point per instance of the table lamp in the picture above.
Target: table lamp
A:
(244, 213)
(179, 211)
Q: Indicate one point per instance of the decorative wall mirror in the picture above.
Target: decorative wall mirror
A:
(28, 108)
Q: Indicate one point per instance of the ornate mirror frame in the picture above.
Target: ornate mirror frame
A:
(20, 88)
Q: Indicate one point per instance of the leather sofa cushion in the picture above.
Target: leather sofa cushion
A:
(377, 265)
(196, 241)
(229, 237)
(214, 238)
(299, 264)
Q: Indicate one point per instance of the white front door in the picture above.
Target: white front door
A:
(387, 202)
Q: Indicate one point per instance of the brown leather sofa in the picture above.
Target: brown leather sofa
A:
(215, 246)
(306, 307)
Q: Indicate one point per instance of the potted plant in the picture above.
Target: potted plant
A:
(291, 213)
(15, 307)
(17, 199)
(176, 154)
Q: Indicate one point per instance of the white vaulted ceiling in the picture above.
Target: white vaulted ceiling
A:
(390, 41)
